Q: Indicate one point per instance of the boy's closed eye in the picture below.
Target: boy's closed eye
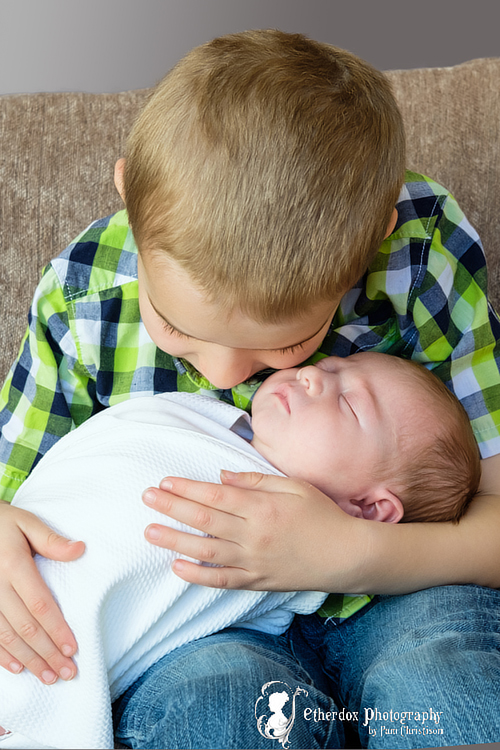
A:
(171, 330)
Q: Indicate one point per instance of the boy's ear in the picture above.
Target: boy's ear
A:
(119, 178)
(392, 223)
(381, 505)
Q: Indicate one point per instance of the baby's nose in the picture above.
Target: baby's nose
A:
(311, 379)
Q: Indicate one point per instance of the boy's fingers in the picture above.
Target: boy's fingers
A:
(33, 630)
(37, 600)
(24, 642)
(225, 496)
(203, 548)
(198, 516)
(8, 662)
(210, 508)
(220, 510)
(17, 653)
(251, 480)
(206, 493)
(219, 578)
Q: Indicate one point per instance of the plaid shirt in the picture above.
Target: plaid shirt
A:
(86, 348)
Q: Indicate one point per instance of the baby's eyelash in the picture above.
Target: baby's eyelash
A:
(173, 331)
(346, 401)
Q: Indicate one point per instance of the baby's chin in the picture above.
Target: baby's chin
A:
(265, 451)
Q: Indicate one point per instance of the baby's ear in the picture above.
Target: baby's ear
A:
(380, 505)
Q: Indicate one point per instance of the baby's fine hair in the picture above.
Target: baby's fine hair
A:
(439, 473)
(268, 165)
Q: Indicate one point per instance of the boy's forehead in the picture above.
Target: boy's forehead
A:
(182, 304)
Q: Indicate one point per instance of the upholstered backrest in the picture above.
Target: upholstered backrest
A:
(57, 153)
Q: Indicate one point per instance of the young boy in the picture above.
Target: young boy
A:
(265, 190)
(342, 425)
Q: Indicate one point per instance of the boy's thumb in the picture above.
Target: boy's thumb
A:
(60, 548)
(48, 543)
(253, 480)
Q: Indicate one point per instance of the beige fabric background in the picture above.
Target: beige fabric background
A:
(57, 153)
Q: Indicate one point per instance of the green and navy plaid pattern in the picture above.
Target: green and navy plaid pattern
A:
(422, 298)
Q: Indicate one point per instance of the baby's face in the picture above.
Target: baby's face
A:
(333, 423)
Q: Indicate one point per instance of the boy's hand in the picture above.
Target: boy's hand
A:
(33, 633)
(270, 533)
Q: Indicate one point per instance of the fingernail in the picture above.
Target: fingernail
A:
(225, 474)
(67, 650)
(149, 497)
(66, 673)
(49, 677)
(166, 485)
(152, 532)
(15, 667)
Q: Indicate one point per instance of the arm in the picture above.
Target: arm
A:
(47, 390)
(35, 414)
(442, 314)
(437, 554)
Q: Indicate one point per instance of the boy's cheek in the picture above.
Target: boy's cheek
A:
(277, 361)
(164, 340)
(176, 349)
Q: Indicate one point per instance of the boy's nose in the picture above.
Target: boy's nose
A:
(227, 368)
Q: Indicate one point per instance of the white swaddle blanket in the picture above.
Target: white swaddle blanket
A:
(121, 599)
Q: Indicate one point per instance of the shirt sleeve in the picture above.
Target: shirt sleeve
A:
(47, 392)
(455, 330)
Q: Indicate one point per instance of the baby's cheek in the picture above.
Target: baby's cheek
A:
(310, 450)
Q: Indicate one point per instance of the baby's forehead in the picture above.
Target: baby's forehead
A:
(409, 375)
(389, 369)
(424, 393)
(392, 365)
(414, 382)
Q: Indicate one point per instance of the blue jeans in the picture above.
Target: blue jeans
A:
(421, 670)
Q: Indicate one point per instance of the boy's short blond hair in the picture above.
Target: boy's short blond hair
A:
(437, 470)
(268, 165)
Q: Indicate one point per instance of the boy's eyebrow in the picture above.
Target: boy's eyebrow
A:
(189, 336)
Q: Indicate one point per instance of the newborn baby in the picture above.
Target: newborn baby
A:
(372, 432)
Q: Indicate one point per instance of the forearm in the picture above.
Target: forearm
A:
(403, 558)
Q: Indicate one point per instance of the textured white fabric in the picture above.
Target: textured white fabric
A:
(121, 599)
